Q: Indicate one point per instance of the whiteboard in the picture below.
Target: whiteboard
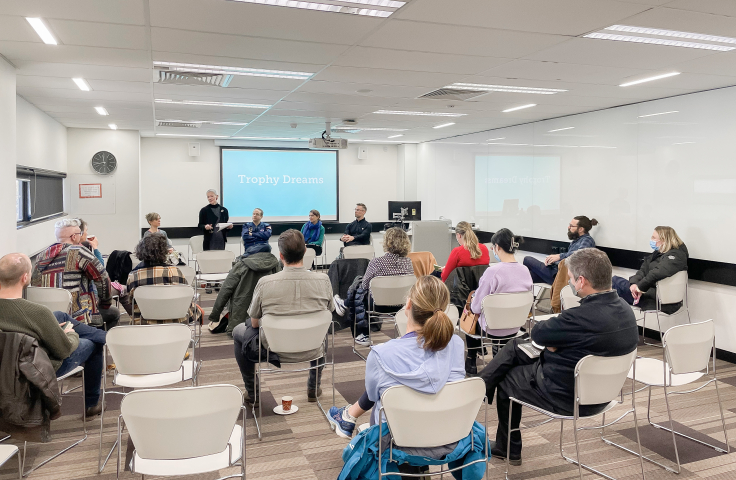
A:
(92, 206)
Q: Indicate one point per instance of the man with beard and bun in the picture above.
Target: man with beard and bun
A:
(577, 232)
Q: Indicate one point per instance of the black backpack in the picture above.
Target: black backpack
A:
(119, 266)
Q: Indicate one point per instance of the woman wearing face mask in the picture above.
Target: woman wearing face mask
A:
(669, 257)
(506, 276)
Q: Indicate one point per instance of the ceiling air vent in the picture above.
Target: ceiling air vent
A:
(178, 124)
(193, 78)
(453, 94)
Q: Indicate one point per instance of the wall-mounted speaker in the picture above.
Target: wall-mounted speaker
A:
(194, 149)
(362, 152)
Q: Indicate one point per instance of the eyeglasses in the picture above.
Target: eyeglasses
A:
(573, 226)
(75, 234)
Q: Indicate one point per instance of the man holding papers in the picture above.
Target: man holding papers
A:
(256, 234)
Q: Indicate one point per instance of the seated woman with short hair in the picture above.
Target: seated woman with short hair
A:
(154, 221)
(153, 270)
(669, 257)
(314, 232)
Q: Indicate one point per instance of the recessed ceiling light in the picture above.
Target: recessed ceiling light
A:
(658, 41)
(505, 88)
(189, 135)
(211, 104)
(205, 122)
(425, 114)
(520, 107)
(370, 129)
(660, 113)
(499, 138)
(113, 126)
(354, 7)
(270, 138)
(42, 31)
(509, 144)
(82, 84)
(395, 136)
(560, 129)
(101, 110)
(682, 143)
(649, 79)
(444, 125)
(216, 69)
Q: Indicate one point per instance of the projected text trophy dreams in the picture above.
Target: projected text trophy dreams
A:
(286, 184)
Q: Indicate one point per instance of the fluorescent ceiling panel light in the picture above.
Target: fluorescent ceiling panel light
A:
(101, 110)
(425, 114)
(509, 144)
(188, 135)
(395, 136)
(499, 138)
(82, 84)
(444, 125)
(42, 31)
(354, 7)
(205, 122)
(660, 113)
(649, 79)
(113, 126)
(220, 70)
(671, 33)
(269, 138)
(658, 41)
(520, 107)
(505, 88)
(370, 129)
(211, 104)
(560, 129)
(383, 141)
(682, 143)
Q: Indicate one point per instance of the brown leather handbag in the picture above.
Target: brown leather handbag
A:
(469, 320)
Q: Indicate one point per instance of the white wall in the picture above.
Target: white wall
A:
(7, 157)
(174, 185)
(119, 229)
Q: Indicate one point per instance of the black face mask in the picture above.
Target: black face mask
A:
(573, 236)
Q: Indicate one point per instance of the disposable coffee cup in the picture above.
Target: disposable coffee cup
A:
(286, 403)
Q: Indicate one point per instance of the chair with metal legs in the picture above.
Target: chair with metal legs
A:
(384, 292)
(598, 380)
(56, 299)
(194, 247)
(687, 351)
(309, 258)
(288, 335)
(6, 453)
(401, 320)
(669, 290)
(212, 267)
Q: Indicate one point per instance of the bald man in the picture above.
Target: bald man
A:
(68, 343)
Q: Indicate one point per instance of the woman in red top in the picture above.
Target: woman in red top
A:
(469, 254)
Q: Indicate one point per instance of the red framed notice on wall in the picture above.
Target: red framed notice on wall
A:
(90, 190)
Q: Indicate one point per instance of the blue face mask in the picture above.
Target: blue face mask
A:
(653, 244)
(496, 255)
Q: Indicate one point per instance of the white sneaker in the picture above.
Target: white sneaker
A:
(363, 340)
(339, 306)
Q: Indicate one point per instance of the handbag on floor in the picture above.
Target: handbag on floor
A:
(469, 320)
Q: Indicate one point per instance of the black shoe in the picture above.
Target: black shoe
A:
(207, 290)
(93, 411)
(249, 400)
(312, 395)
(471, 369)
(498, 452)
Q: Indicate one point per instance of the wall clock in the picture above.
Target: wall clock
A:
(104, 163)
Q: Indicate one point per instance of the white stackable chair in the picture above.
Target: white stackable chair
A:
(401, 320)
(173, 439)
(195, 247)
(309, 257)
(598, 380)
(212, 267)
(56, 299)
(359, 251)
(188, 273)
(146, 356)
(60, 381)
(295, 334)
(420, 420)
(669, 290)
(384, 292)
(6, 453)
(567, 299)
(687, 351)
(502, 311)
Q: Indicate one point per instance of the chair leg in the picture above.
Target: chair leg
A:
(20, 466)
(672, 425)
(720, 408)
(577, 447)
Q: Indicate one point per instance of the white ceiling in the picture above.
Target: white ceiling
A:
(361, 64)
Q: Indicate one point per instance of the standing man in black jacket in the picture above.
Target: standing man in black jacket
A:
(358, 232)
(603, 325)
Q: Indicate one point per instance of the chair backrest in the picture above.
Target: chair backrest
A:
(161, 421)
(507, 310)
(423, 263)
(296, 333)
(196, 244)
(687, 348)
(55, 299)
(215, 261)
(309, 257)
(453, 313)
(188, 273)
(421, 420)
(391, 290)
(673, 289)
(402, 320)
(600, 379)
(359, 251)
(148, 349)
(163, 302)
(567, 299)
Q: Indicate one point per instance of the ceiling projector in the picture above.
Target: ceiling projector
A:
(327, 142)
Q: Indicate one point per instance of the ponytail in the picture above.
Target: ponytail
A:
(586, 223)
(429, 299)
(506, 241)
(471, 240)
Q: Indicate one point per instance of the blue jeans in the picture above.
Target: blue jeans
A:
(540, 272)
(88, 353)
(623, 288)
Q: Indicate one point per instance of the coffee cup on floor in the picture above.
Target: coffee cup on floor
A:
(286, 403)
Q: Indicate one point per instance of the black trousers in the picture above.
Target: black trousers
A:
(512, 373)
(317, 248)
